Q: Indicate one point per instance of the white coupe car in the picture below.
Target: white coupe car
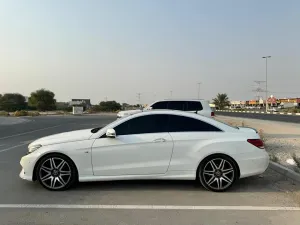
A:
(149, 145)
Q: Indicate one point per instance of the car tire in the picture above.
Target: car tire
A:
(56, 172)
(217, 173)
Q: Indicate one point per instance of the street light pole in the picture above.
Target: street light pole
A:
(199, 90)
(266, 57)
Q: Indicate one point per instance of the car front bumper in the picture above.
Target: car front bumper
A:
(27, 162)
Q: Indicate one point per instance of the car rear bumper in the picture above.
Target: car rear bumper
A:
(253, 163)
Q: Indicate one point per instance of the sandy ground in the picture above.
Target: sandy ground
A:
(282, 140)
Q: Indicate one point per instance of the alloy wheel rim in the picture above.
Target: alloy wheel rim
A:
(55, 173)
(218, 174)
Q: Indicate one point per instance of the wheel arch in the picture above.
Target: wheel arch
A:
(218, 154)
(34, 177)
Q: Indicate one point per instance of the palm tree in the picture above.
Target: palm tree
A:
(221, 101)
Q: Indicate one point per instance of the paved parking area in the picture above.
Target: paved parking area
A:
(269, 199)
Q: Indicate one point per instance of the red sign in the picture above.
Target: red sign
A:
(272, 100)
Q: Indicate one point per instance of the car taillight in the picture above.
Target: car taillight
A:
(256, 142)
(212, 114)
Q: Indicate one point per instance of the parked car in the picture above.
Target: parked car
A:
(273, 109)
(200, 107)
(156, 144)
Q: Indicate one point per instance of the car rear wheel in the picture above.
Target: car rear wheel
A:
(218, 173)
(56, 172)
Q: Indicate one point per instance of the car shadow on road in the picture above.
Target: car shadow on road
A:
(270, 181)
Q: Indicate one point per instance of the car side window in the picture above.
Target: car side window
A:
(187, 124)
(160, 105)
(176, 105)
(143, 124)
(123, 128)
(193, 106)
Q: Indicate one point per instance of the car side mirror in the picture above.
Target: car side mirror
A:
(111, 133)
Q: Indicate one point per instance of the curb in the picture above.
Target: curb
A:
(285, 171)
(254, 112)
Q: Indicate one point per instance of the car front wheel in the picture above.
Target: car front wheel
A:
(217, 173)
(56, 172)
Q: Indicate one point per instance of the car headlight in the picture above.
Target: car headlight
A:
(33, 148)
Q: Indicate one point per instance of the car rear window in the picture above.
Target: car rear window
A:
(193, 106)
(187, 124)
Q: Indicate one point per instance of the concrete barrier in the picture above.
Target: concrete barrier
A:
(281, 113)
(284, 171)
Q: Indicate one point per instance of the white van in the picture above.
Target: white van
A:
(195, 106)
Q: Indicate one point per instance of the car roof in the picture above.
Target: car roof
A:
(178, 99)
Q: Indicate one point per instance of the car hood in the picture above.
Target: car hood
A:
(77, 135)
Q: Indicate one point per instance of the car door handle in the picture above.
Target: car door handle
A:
(160, 140)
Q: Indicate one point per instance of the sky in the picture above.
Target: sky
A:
(160, 48)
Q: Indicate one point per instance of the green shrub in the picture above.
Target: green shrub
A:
(33, 113)
(296, 111)
(3, 113)
(21, 113)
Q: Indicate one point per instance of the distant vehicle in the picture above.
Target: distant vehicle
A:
(280, 107)
(289, 105)
(157, 144)
(273, 109)
(200, 107)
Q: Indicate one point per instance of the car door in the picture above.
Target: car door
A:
(189, 135)
(141, 147)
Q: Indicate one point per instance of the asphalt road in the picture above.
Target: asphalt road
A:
(255, 200)
(274, 117)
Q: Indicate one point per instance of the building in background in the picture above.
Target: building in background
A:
(272, 102)
(86, 103)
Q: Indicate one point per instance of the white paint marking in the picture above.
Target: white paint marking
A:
(6, 149)
(15, 135)
(151, 207)
(1, 145)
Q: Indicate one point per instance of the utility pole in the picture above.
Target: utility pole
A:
(199, 90)
(171, 92)
(139, 98)
(106, 99)
(258, 89)
(266, 57)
